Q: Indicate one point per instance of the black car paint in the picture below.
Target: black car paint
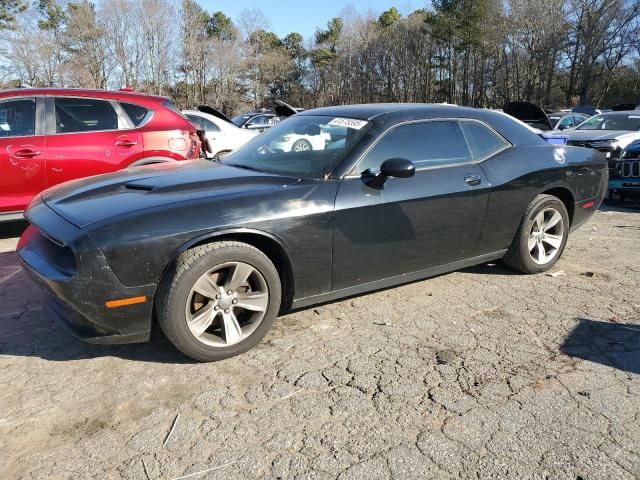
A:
(332, 237)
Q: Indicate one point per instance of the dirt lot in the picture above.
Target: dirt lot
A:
(479, 373)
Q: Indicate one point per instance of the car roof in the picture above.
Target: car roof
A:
(386, 115)
(81, 92)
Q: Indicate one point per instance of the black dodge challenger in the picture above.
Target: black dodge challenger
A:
(385, 194)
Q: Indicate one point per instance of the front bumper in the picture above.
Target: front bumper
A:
(625, 186)
(78, 281)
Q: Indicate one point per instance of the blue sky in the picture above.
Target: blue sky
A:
(304, 17)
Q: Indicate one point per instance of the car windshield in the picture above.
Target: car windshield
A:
(302, 146)
(240, 119)
(612, 121)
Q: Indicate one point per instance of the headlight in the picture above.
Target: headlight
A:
(612, 144)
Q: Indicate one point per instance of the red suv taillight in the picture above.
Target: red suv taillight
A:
(194, 147)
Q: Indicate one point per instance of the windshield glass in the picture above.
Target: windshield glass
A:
(240, 119)
(301, 146)
(612, 121)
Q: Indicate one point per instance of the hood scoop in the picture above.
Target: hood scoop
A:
(139, 187)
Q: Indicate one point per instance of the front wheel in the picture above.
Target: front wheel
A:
(541, 236)
(301, 146)
(219, 300)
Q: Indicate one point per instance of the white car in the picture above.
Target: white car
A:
(293, 142)
(222, 134)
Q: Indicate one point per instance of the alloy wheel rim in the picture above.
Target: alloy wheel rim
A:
(227, 304)
(546, 236)
(301, 147)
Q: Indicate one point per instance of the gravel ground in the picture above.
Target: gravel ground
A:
(479, 373)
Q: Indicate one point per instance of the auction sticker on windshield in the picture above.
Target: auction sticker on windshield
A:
(348, 122)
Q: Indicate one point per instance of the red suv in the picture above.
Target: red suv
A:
(49, 136)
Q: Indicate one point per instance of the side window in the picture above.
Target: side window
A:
(208, 126)
(482, 141)
(84, 115)
(259, 120)
(426, 144)
(136, 113)
(203, 123)
(18, 117)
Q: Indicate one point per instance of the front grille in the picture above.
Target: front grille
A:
(630, 169)
(578, 143)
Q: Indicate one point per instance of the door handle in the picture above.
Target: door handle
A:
(27, 153)
(125, 143)
(472, 180)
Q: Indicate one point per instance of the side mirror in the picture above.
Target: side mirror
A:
(393, 167)
(398, 167)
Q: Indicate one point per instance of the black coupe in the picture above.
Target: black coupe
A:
(387, 194)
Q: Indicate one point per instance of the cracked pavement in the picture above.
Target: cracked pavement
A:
(480, 373)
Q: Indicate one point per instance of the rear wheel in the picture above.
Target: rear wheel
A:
(219, 300)
(541, 236)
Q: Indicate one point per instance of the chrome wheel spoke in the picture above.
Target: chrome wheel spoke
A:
(532, 242)
(232, 329)
(238, 276)
(553, 221)
(554, 240)
(254, 301)
(540, 221)
(206, 287)
(542, 254)
(202, 320)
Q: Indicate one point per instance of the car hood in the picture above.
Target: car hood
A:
(87, 201)
(529, 113)
(214, 112)
(283, 109)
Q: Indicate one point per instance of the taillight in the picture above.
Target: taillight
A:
(193, 151)
(205, 146)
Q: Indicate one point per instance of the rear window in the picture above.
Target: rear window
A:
(84, 115)
(136, 113)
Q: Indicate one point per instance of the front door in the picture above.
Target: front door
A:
(412, 224)
(22, 152)
(87, 137)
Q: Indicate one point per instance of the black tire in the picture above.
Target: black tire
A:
(176, 286)
(518, 257)
(301, 146)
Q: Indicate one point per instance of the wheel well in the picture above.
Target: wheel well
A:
(274, 251)
(151, 160)
(566, 197)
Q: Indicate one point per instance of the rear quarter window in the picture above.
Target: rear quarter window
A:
(136, 113)
(482, 141)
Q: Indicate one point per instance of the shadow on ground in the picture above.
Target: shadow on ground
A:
(12, 229)
(613, 344)
(26, 329)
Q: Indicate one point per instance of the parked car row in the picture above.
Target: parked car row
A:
(615, 133)
(50, 136)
